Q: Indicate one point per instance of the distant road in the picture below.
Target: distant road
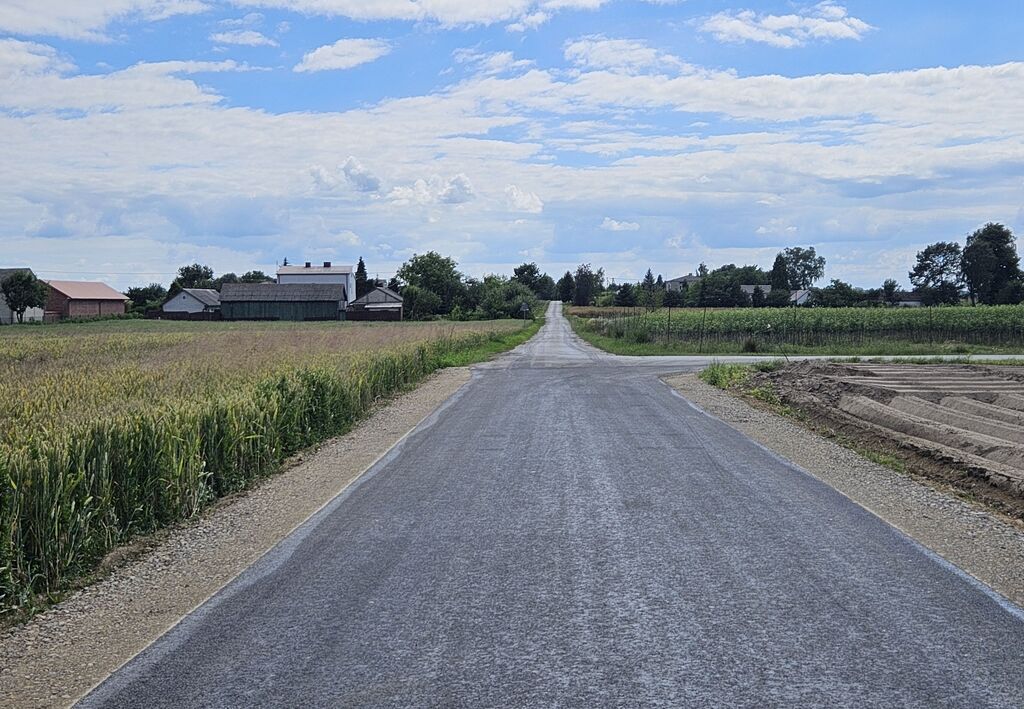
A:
(570, 532)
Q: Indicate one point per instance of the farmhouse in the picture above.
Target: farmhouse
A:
(283, 301)
(82, 299)
(192, 300)
(326, 274)
(378, 304)
(682, 283)
(7, 316)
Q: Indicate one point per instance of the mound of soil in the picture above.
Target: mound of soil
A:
(961, 424)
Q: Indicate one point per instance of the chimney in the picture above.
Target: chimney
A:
(308, 264)
(327, 264)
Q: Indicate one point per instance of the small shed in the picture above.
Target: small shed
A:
(7, 316)
(282, 301)
(192, 300)
(378, 304)
(83, 299)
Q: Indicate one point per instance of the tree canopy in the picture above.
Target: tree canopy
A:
(22, 290)
(803, 267)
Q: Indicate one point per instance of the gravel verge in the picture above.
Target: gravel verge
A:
(986, 545)
(58, 656)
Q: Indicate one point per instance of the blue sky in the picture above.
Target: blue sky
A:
(139, 135)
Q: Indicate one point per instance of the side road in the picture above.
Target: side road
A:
(986, 545)
(55, 658)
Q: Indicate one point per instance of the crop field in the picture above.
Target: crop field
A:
(110, 430)
(837, 331)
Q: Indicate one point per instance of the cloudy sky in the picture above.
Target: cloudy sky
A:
(139, 135)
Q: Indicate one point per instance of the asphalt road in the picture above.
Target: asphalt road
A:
(569, 532)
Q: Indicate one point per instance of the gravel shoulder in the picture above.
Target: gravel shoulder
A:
(56, 657)
(986, 545)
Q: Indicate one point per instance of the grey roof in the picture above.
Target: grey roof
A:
(375, 296)
(684, 279)
(5, 272)
(206, 296)
(749, 290)
(282, 292)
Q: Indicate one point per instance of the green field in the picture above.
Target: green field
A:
(789, 331)
(113, 429)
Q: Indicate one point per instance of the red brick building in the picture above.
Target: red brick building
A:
(80, 299)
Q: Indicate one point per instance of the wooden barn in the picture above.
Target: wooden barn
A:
(378, 304)
(282, 301)
(82, 299)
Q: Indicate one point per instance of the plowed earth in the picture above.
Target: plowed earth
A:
(960, 424)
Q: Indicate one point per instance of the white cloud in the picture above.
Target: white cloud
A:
(520, 200)
(490, 63)
(362, 179)
(344, 54)
(435, 190)
(610, 224)
(250, 38)
(825, 21)
(631, 56)
(86, 19)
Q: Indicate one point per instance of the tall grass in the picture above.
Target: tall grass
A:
(107, 459)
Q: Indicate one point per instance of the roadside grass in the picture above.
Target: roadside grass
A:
(496, 343)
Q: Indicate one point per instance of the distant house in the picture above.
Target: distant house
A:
(192, 300)
(82, 299)
(909, 300)
(326, 274)
(283, 301)
(681, 283)
(800, 297)
(7, 316)
(749, 290)
(378, 304)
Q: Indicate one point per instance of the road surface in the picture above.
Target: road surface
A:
(570, 532)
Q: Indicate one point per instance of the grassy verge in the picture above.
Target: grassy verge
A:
(69, 494)
(496, 344)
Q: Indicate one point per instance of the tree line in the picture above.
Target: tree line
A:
(986, 270)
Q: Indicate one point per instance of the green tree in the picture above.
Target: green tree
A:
(225, 278)
(194, 276)
(255, 277)
(146, 297)
(891, 291)
(989, 263)
(546, 288)
(625, 296)
(779, 278)
(803, 267)
(528, 274)
(566, 287)
(419, 303)
(838, 294)
(22, 290)
(758, 299)
(937, 264)
(437, 274)
(362, 282)
(588, 284)
(503, 298)
(674, 299)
